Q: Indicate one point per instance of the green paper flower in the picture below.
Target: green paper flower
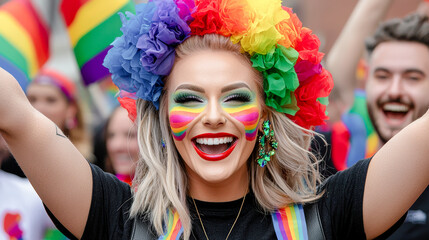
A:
(280, 78)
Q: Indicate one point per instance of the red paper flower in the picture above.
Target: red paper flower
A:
(308, 47)
(310, 115)
(311, 111)
(206, 18)
(130, 105)
(318, 86)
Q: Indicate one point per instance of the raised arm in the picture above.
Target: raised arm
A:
(58, 172)
(348, 48)
(397, 175)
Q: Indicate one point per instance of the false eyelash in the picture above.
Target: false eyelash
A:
(239, 97)
(186, 98)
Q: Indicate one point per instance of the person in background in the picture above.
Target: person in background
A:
(120, 138)
(396, 92)
(55, 96)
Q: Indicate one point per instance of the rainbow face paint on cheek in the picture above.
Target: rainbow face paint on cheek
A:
(180, 117)
(247, 114)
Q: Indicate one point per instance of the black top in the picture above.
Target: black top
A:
(340, 209)
(11, 166)
(416, 225)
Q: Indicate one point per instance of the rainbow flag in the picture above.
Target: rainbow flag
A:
(92, 26)
(24, 40)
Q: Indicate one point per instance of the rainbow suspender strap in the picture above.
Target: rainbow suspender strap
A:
(289, 224)
(174, 228)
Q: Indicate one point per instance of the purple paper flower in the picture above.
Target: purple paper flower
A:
(185, 9)
(157, 55)
(166, 32)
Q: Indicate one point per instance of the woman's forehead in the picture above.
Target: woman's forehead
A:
(207, 69)
(43, 89)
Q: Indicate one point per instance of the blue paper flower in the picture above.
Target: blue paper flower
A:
(144, 54)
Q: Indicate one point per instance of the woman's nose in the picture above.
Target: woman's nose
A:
(117, 143)
(213, 116)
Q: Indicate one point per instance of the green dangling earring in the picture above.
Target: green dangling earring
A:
(265, 152)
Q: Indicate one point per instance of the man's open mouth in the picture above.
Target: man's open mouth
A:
(396, 111)
(214, 146)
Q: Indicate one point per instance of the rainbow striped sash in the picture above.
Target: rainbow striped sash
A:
(289, 223)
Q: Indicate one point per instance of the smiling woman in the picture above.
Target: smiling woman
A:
(213, 108)
(228, 92)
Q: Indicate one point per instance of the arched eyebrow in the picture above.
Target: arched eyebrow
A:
(234, 86)
(191, 87)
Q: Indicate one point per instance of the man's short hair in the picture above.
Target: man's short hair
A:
(412, 28)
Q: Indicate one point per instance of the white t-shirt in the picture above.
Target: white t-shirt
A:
(22, 215)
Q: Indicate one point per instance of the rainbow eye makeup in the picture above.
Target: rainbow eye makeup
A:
(243, 107)
(185, 108)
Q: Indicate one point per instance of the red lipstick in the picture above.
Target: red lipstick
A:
(214, 157)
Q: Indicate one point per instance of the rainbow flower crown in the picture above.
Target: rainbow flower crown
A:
(287, 55)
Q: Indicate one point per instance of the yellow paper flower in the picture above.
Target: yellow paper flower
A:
(263, 35)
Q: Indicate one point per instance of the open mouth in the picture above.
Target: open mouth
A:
(214, 146)
(396, 111)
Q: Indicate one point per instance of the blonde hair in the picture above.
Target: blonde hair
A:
(161, 184)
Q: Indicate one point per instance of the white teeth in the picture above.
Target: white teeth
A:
(394, 107)
(214, 141)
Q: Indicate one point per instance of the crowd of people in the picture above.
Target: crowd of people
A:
(220, 137)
